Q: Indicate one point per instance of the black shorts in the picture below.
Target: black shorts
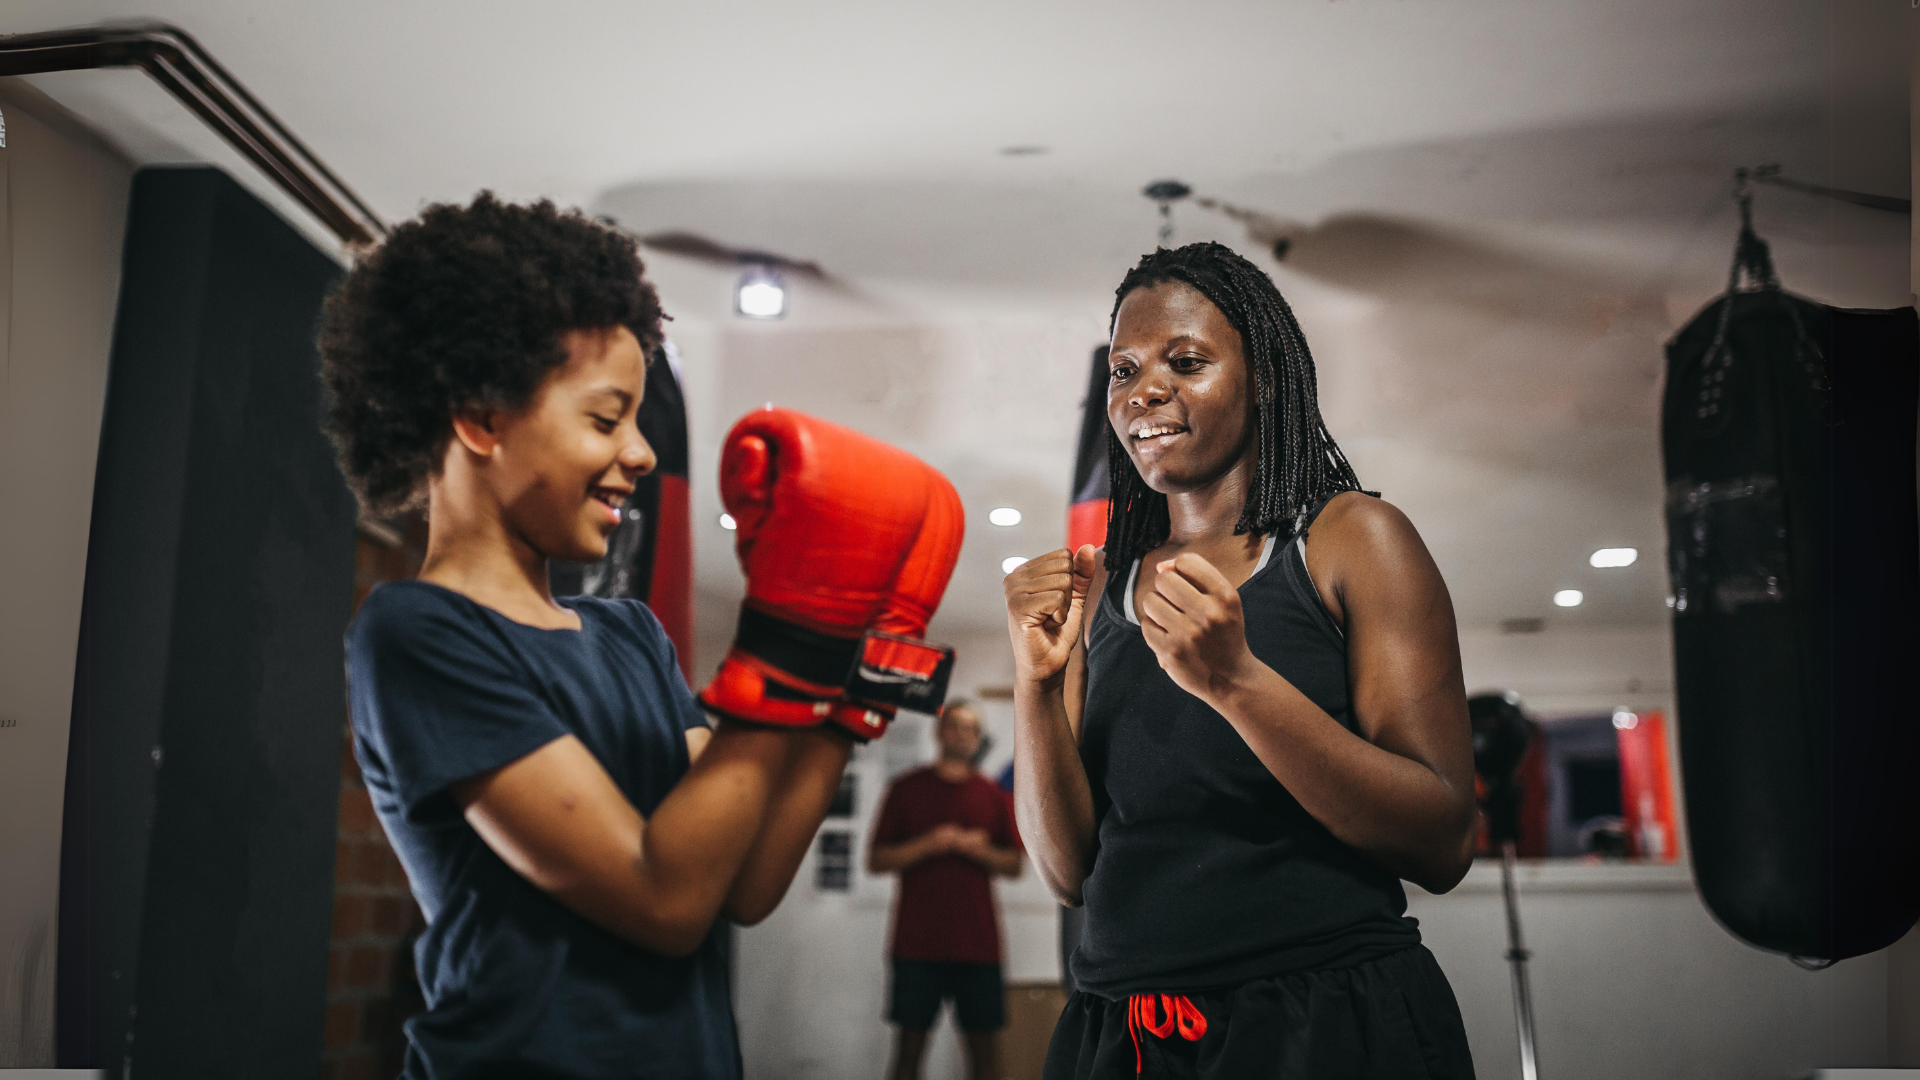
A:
(1391, 1018)
(919, 986)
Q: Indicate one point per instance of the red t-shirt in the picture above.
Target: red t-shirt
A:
(945, 911)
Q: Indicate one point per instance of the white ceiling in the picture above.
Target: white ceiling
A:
(1502, 208)
(418, 100)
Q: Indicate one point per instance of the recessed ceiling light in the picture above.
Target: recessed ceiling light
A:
(1011, 563)
(727, 522)
(1606, 557)
(760, 294)
(1004, 515)
(1568, 598)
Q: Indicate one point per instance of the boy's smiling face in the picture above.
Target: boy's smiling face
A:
(563, 466)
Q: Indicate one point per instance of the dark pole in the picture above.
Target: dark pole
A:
(1501, 734)
(185, 70)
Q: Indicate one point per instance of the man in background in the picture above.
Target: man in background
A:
(947, 830)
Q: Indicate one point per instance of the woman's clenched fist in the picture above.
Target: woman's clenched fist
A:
(1046, 599)
(1192, 621)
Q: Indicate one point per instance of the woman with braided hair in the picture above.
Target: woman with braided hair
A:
(1241, 728)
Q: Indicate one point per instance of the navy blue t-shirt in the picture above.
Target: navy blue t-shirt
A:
(516, 984)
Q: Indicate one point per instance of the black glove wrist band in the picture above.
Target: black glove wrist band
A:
(877, 669)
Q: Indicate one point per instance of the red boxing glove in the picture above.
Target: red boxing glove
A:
(899, 669)
(824, 518)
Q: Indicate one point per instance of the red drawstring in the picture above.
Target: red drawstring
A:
(1180, 1013)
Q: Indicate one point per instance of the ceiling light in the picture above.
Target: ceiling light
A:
(1606, 557)
(727, 522)
(1624, 720)
(1004, 515)
(760, 295)
(1011, 563)
(1568, 597)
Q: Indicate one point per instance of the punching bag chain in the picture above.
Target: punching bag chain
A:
(1753, 259)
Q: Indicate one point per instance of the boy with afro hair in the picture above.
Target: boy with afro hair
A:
(569, 822)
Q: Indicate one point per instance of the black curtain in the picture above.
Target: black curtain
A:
(204, 768)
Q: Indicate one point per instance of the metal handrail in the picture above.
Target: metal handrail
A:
(178, 63)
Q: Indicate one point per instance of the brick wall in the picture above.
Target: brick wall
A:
(371, 988)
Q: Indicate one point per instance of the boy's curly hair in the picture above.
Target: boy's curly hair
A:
(463, 308)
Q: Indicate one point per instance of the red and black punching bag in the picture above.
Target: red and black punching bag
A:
(650, 556)
(1087, 513)
(1087, 524)
(1788, 429)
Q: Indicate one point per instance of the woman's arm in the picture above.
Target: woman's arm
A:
(1046, 605)
(1401, 791)
(559, 820)
(816, 759)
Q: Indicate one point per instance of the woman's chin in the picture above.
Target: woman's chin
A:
(1163, 483)
(1181, 479)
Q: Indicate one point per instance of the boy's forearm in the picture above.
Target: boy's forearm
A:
(693, 847)
(816, 759)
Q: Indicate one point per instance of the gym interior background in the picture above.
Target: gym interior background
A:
(1498, 214)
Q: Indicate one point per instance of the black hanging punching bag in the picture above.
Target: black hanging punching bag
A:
(1789, 436)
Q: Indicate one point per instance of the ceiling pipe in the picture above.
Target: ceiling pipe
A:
(177, 62)
(1770, 174)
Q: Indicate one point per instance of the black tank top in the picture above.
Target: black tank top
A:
(1207, 873)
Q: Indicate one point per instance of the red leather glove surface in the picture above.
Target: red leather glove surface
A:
(916, 595)
(825, 520)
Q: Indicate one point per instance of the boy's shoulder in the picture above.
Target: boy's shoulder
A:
(400, 602)
(633, 624)
(396, 612)
(631, 615)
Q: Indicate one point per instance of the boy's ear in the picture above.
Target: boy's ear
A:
(475, 432)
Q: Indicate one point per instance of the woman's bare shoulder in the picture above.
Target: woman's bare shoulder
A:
(1355, 519)
(1367, 545)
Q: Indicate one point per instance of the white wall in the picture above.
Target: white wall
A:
(1633, 978)
(63, 200)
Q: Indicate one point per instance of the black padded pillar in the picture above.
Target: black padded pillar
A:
(203, 778)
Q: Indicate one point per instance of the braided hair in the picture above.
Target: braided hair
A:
(1299, 465)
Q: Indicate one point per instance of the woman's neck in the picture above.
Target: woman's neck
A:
(1209, 514)
(473, 552)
